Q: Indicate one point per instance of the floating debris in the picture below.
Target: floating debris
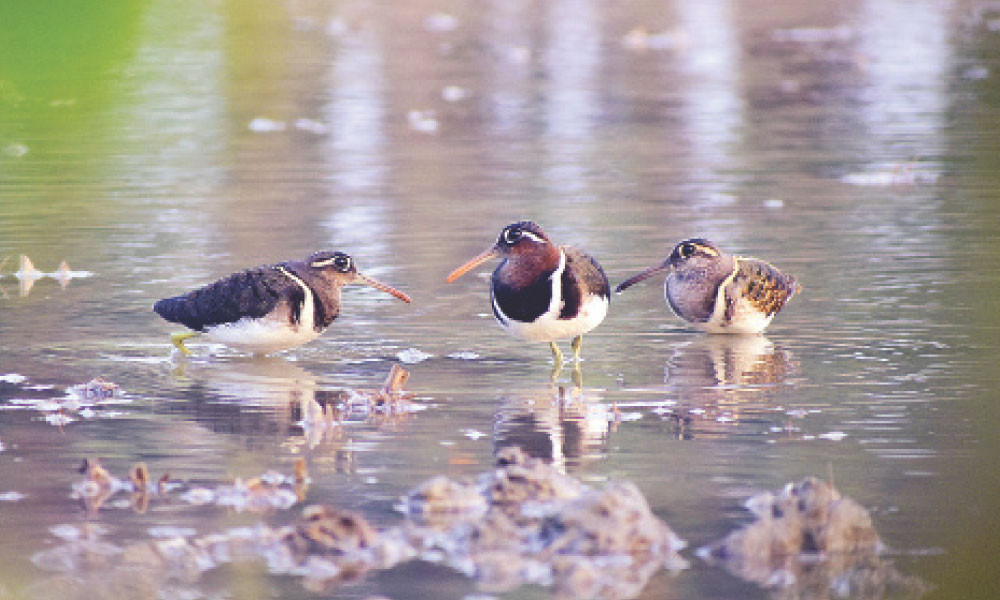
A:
(12, 496)
(272, 490)
(386, 406)
(424, 121)
(97, 388)
(84, 401)
(311, 126)
(474, 434)
(58, 419)
(640, 39)
(267, 492)
(64, 274)
(14, 378)
(15, 150)
(83, 550)
(892, 175)
(440, 22)
(814, 35)
(466, 355)
(27, 274)
(167, 531)
(809, 537)
(97, 486)
(976, 73)
(27, 269)
(265, 125)
(412, 356)
(454, 93)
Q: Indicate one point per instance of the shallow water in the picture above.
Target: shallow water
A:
(853, 145)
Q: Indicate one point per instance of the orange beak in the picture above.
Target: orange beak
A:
(472, 264)
(383, 287)
(665, 266)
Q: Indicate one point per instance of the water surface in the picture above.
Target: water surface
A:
(853, 144)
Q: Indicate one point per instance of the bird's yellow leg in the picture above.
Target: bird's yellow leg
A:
(177, 339)
(557, 355)
(557, 360)
(577, 344)
(577, 377)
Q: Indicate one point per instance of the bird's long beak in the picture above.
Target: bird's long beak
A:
(664, 266)
(382, 287)
(472, 264)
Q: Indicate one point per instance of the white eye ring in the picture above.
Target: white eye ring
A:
(512, 235)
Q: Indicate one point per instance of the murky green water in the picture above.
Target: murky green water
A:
(160, 145)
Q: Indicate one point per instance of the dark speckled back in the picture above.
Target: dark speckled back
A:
(251, 293)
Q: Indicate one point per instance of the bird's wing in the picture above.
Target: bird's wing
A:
(252, 293)
(761, 284)
(582, 269)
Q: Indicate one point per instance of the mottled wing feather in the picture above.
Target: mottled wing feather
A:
(582, 276)
(252, 293)
(760, 283)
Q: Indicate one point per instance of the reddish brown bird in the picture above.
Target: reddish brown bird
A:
(540, 291)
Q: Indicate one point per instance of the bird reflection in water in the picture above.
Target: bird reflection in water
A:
(557, 425)
(721, 381)
(273, 400)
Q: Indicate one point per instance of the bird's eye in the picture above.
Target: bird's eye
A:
(512, 235)
(687, 250)
(342, 262)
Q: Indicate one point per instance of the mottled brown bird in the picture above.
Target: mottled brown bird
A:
(719, 292)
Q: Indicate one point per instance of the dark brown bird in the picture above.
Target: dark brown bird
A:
(268, 308)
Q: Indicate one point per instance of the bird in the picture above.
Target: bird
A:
(269, 308)
(541, 291)
(720, 292)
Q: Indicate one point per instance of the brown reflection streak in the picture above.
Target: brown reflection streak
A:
(558, 425)
(720, 379)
